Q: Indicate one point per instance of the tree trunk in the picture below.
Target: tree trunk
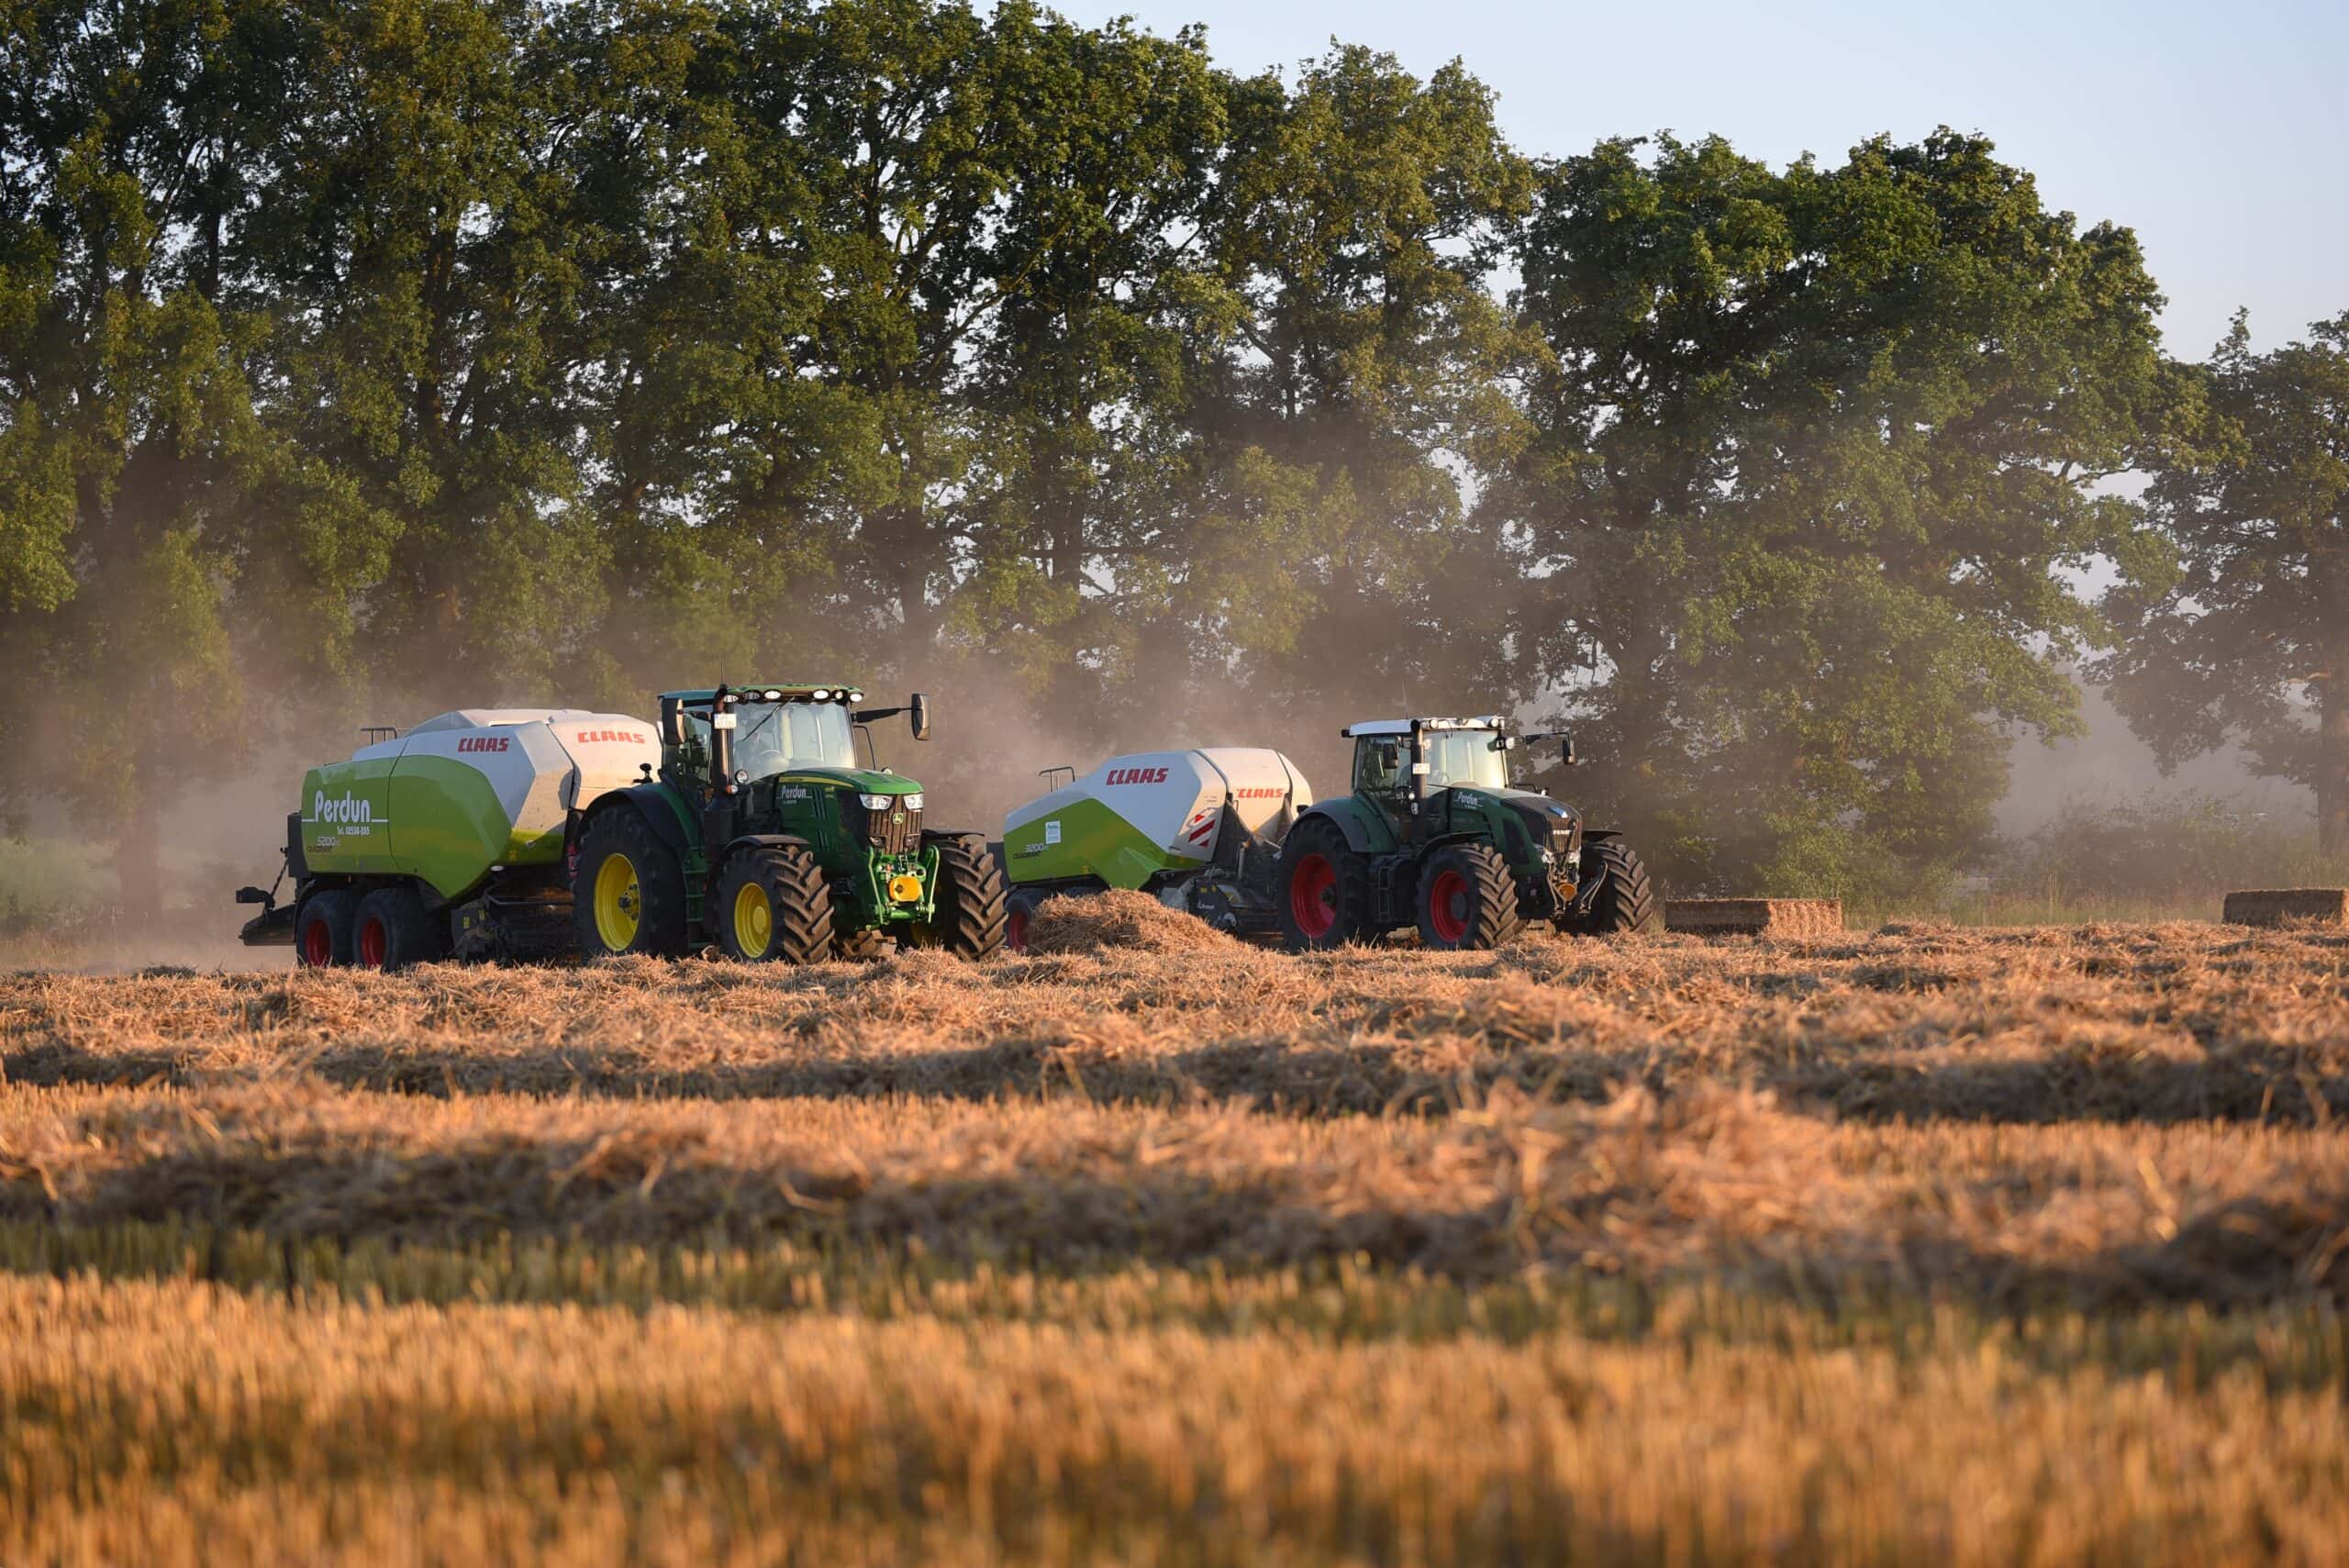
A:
(2332, 763)
(139, 855)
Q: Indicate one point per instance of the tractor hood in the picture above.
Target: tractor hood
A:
(1552, 821)
(863, 780)
(1518, 800)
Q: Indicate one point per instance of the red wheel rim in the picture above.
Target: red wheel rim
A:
(1313, 896)
(317, 945)
(1015, 931)
(372, 940)
(1448, 907)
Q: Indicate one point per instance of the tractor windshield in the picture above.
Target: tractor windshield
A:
(772, 738)
(1466, 757)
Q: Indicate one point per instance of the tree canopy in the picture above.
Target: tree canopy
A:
(2236, 603)
(447, 351)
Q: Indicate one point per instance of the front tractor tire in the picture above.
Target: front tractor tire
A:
(323, 929)
(968, 914)
(774, 906)
(1622, 900)
(628, 895)
(394, 931)
(1466, 899)
(1321, 889)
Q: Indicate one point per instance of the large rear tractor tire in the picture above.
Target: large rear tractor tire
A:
(323, 928)
(628, 892)
(968, 914)
(1322, 889)
(859, 946)
(773, 906)
(394, 929)
(1466, 899)
(1623, 900)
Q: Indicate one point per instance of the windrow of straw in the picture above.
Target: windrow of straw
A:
(1923, 1243)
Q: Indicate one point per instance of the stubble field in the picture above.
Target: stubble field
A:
(1968, 1245)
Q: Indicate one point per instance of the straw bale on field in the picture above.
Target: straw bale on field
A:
(1755, 916)
(2273, 906)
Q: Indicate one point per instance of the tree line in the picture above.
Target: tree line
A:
(456, 350)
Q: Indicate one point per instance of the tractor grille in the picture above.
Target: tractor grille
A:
(895, 831)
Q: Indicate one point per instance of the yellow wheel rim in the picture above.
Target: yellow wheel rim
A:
(620, 905)
(753, 921)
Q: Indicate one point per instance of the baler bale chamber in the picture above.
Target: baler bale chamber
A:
(1199, 829)
(451, 840)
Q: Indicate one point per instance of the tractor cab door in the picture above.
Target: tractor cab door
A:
(1472, 761)
(1383, 778)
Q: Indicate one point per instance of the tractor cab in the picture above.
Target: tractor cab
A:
(1406, 769)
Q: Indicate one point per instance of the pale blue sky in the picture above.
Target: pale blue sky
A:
(2219, 132)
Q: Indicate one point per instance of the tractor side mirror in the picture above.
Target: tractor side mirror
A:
(919, 708)
(1565, 745)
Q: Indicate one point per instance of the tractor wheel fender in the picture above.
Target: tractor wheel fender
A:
(657, 803)
(1347, 815)
(756, 841)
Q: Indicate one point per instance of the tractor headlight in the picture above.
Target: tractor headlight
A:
(913, 801)
(875, 802)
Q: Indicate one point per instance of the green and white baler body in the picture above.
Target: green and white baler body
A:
(449, 840)
(1198, 828)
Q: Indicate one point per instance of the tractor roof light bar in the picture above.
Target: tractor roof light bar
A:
(1405, 725)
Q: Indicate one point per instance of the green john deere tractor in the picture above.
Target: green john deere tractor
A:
(762, 834)
(1435, 834)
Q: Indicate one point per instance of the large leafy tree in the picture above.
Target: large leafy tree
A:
(1323, 558)
(2236, 609)
(138, 477)
(901, 278)
(1818, 448)
(428, 241)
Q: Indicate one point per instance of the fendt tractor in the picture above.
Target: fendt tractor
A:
(742, 818)
(1434, 835)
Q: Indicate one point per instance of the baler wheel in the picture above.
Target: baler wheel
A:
(968, 917)
(392, 930)
(1322, 892)
(627, 893)
(1467, 899)
(772, 905)
(322, 929)
(1018, 908)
